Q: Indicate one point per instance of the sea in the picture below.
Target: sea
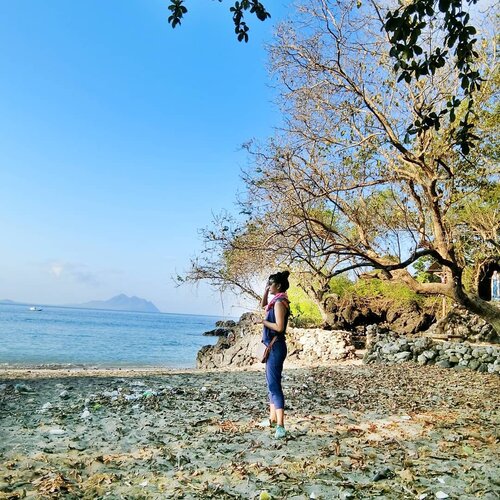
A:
(71, 337)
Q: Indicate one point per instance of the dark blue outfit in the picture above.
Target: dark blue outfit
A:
(274, 364)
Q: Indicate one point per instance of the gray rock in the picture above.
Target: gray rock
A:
(23, 389)
(444, 364)
(493, 368)
(422, 360)
(474, 364)
(225, 324)
(389, 348)
(311, 345)
(429, 354)
(460, 323)
(64, 394)
(402, 356)
(218, 332)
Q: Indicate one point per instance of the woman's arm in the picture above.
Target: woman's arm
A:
(263, 302)
(279, 313)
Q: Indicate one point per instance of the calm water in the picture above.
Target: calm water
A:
(59, 335)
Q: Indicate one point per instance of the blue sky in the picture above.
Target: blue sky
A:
(119, 137)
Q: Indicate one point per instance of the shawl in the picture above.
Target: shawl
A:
(278, 296)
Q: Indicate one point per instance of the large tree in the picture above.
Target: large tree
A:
(346, 178)
(393, 197)
(407, 26)
(229, 260)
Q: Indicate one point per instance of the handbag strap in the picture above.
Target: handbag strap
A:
(273, 340)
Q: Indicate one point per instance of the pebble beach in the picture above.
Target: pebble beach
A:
(354, 431)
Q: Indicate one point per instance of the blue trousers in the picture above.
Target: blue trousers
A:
(274, 369)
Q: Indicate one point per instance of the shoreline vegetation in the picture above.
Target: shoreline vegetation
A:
(354, 431)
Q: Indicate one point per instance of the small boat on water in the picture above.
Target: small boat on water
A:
(35, 308)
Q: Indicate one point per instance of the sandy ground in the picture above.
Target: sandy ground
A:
(354, 431)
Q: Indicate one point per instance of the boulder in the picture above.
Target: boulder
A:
(402, 356)
(218, 332)
(225, 324)
(460, 324)
(358, 312)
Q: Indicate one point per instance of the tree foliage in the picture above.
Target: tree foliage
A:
(408, 27)
(228, 261)
(178, 10)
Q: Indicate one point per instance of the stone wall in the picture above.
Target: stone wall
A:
(425, 351)
(305, 346)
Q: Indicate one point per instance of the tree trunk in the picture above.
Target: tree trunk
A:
(319, 298)
(485, 310)
(454, 290)
(322, 311)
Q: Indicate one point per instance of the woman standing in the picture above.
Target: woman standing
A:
(275, 323)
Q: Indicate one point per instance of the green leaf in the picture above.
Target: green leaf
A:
(392, 24)
(444, 5)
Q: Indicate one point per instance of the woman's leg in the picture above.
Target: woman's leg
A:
(274, 369)
(280, 417)
(272, 413)
(272, 408)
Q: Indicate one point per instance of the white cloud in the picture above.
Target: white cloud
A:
(75, 272)
(56, 270)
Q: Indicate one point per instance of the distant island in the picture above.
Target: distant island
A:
(121, 303)
(118, 303)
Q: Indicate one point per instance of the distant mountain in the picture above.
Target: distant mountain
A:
(121, 303)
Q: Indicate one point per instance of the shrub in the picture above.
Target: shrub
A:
(376, 288)
(341, 285)
(304, 312)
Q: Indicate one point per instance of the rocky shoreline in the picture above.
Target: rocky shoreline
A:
(355, 431)
(306, 346)
(444, 344)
